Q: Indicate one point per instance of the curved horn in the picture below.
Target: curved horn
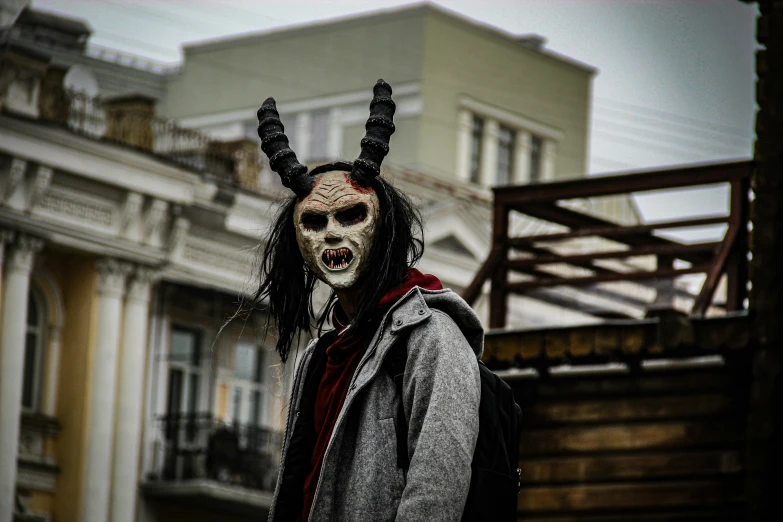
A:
(380, 127)
(282, 159)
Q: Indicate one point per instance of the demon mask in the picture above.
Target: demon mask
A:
(336, 212)
(335, 228)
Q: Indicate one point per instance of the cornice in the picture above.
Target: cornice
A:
(109, 164)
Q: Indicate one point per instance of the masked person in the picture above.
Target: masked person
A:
(349, 228)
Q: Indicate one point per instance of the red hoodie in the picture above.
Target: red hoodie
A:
(342, 358)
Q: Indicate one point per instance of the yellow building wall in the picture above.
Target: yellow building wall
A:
(76, 276)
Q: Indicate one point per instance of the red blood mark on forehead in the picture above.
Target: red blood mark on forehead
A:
(356, 186)
(333, 191)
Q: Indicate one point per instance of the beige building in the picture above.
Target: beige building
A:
(474, 104)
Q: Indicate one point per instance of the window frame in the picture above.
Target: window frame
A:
(40, 330)
(475, 158)
(510, 145)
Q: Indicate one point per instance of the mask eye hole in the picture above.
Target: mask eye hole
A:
(351, 216)
(313, 222)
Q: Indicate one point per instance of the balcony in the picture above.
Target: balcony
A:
(607, 263)
(200, 459)
(131, 121)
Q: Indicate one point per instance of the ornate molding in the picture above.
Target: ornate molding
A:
(156, 215)
(178, 233)
(111, 277)
(15, 176)
(132, 209)
(42, 181)
(77, 207)
(140, 285)
(207, 253)
(22, 253)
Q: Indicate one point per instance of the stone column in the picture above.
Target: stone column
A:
(6, 236)
(100, 424)
(52, 370)
(489, 153)
(130, 393)
(13, 327)
(464, 122)
(548, 152)
(522, 158)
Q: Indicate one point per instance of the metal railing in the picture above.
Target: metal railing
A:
(531, 258)
(197, 446)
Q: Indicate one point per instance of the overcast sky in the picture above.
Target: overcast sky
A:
(675, 82)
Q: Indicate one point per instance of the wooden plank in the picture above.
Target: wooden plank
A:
(616, 230)
(648, 250)
(726, 513)
(630, 467)
(716, 271)
(683, 381)
(473, 290)
(624, 496)
(577, 220)
(622, 409)
(662, 273)
(596, 186)
(629, 437)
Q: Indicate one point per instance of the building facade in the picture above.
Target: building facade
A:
(474, 104)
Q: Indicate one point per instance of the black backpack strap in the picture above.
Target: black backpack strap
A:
(394, 363)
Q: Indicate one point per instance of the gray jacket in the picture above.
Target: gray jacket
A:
(360, 480)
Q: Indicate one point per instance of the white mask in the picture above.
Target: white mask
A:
(335, 228)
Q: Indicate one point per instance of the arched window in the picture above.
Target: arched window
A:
(34, 344)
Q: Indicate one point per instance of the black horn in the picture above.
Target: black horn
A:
(379, 127)
(282, 159)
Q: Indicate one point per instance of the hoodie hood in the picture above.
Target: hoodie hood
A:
(445, 301)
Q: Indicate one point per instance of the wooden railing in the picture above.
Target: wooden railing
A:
(728, 256)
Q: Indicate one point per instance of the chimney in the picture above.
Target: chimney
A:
(21, 72)
(243, 155)
(129, 120)
(52, 102)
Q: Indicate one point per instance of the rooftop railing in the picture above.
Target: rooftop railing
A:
(131, 121)
(534, 265)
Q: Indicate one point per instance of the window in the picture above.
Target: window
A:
(477, 132)
(33, 351)
(319, 135)
(184, 372)
(249, 385)
(505, 165)
(536, 146)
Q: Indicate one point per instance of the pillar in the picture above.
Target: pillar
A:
(464, 122)
(100, 424)
(489, 153)
(130, 393)
(52, 369)
(6, 236)
(522, 158)
(548, 152)
(13, 326)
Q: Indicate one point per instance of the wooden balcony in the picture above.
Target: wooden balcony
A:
(627, 418)
(529, 259)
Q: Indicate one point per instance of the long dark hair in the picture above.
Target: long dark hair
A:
(288, 284)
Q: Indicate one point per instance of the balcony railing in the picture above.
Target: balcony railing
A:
(535, 264)
(131, 121)
(197, 446)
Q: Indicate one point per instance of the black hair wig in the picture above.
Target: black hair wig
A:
(288, 284)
